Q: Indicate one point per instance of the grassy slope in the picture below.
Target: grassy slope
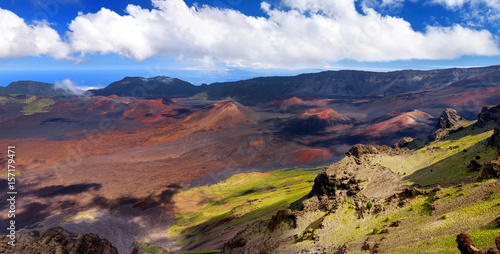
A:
(204, 212)
(470, 207)
(447, 164)
(37, 106)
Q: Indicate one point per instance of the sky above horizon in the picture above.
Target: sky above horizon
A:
(93, 43)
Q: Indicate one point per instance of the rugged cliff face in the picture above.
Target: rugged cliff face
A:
(57, 240)
(494, 140)
(487, 114)
(448, 121)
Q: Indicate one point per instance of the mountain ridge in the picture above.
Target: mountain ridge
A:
(326, 84)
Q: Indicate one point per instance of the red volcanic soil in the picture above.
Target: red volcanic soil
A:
(256, 143)
(312, 155)
(325, 114)
(157, 104)
(398, 121)
(222, 115)
(296, 101)
(479, 97)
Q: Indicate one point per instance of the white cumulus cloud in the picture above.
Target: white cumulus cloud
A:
(293, 34)
(18, 39)
(308, 33)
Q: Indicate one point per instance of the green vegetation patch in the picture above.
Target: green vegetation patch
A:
(443, 161)
(37, 106)
(205, 212)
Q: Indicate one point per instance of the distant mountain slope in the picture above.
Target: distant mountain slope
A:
(31, 88)
(346, 83)
(328, 84)
(144, 87)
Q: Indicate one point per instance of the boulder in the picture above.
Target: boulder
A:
(487, 114)
(466, 246)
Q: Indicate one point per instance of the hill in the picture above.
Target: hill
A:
(31, 88)
(149, 87)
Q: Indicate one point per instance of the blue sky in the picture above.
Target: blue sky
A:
(94, 43)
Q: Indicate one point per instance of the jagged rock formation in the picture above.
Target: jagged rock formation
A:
(466, 246)
(57, 240)
(404, 142)
(494, 140)
(356, 175)
(491, 169)
(449, 121)
(487, 114)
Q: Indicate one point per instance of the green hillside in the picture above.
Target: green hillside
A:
(427, 221)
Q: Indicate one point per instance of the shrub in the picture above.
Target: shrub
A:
(376, 231)
(369, 205)
(444, 217)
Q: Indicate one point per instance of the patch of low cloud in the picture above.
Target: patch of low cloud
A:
(71, 89)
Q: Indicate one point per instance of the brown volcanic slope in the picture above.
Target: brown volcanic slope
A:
(399, 121)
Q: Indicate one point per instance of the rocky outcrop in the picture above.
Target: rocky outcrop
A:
(494, 140)
(466, 246)
(359, 151)
(57, 240)
(491, 169)
(487, 114)
(404, 142)
(355, 175)
(449, 121)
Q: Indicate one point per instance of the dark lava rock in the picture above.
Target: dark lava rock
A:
(58, 240)
(494, 140)
(466, 246)
(395, 224)
(449, 121)
(487, 114)
(283, 216)
(474, 166)
(490, 170)
(331, 184)
(404, 142)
